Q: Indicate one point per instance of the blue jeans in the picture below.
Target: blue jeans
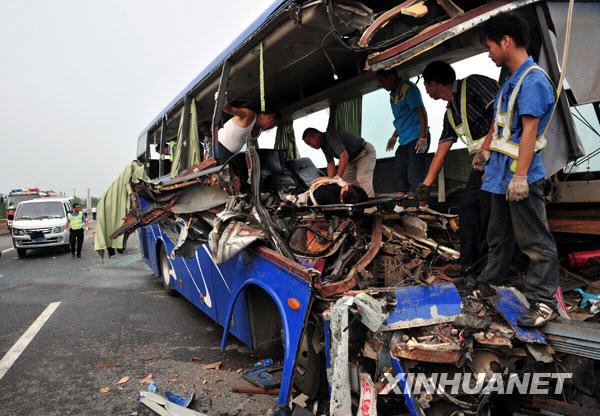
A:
(410, 168)
(525, 223)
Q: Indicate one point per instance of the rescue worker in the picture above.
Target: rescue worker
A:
(207, 139)
(244, 124)
(410, 131)
(76, 220)
(469, 116)
(356, 155)
(172, 145)
(514, 172)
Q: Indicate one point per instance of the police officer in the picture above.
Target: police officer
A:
(76, 219)
(469, 116)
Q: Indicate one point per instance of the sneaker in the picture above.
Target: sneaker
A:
(79, 256)
(72, 254)
(483, 291)
(537, 315)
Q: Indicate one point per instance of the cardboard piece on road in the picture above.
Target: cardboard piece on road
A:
(147, 379)
(125, 379)
(211, 366)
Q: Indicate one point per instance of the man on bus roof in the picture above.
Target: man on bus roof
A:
(514, 172)
(469, 115)
(244, 124)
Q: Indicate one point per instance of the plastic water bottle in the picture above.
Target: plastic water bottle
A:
(152, 387)
(263, 363)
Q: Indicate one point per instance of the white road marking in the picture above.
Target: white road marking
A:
(13, 354)
(7, 250)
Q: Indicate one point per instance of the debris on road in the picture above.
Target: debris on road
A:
(211, 366)
(147, 379)
(125, 379)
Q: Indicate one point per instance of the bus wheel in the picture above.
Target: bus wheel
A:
(164, 272)
(309, 373)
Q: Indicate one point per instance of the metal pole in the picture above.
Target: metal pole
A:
(161, 160)
(554, 72)
(219, 104)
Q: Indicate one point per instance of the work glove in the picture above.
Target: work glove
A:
(421, 146)
(390, 144)
(518, 189)
(480, 159)
(422, 193)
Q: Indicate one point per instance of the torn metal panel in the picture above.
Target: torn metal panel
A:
(447, 352)
(424, 305)
(199, 198)
(338, 374)
(574, 337)
(236, 236)
(512, 305)
(370, 311)
(367, 405)
(330, 289)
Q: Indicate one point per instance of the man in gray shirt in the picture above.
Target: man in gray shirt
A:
(356, 155)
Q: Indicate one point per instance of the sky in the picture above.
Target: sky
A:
(80, 79)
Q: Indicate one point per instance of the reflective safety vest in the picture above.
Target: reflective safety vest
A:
(462, 130)
(76, 220)
(172, 145)
(504, 144)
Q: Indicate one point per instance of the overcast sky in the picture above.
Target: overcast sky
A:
(80, 79)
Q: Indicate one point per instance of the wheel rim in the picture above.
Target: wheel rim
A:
(165, 269)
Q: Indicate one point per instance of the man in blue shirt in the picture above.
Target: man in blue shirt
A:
(514, 172)
(410, 131)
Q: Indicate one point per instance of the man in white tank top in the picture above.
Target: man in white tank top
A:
(244, 124)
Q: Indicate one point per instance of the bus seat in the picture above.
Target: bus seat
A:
(305, 171)
(274, 172)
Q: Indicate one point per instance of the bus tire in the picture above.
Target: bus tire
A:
(309, 372)
(164, 272)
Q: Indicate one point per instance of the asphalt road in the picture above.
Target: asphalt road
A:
(114, 320)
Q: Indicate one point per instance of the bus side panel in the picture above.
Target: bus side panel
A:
(193, 279)
(148, 238)
(225, 278)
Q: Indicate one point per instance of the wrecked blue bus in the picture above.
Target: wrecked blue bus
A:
(345, 297)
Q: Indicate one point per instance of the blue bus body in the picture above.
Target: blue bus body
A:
(218, 290)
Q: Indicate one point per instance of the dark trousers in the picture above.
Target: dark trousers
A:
(410, 168)
(474, 214)
(525, 223)
(223, 154)
(76, 237)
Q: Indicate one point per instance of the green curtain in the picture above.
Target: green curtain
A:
(187, 152)
(346, 116)
(285, 139)
(114, 206)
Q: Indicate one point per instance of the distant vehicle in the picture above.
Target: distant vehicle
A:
(15, 197)
(41, 223)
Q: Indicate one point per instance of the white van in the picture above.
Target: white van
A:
(41, 223)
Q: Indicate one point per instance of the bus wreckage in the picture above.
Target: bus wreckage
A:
(357, 301)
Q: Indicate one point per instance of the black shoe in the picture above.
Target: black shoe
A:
(72, 254)
(537, 315)
(483, 291)
(79, 256)
(454, 273)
